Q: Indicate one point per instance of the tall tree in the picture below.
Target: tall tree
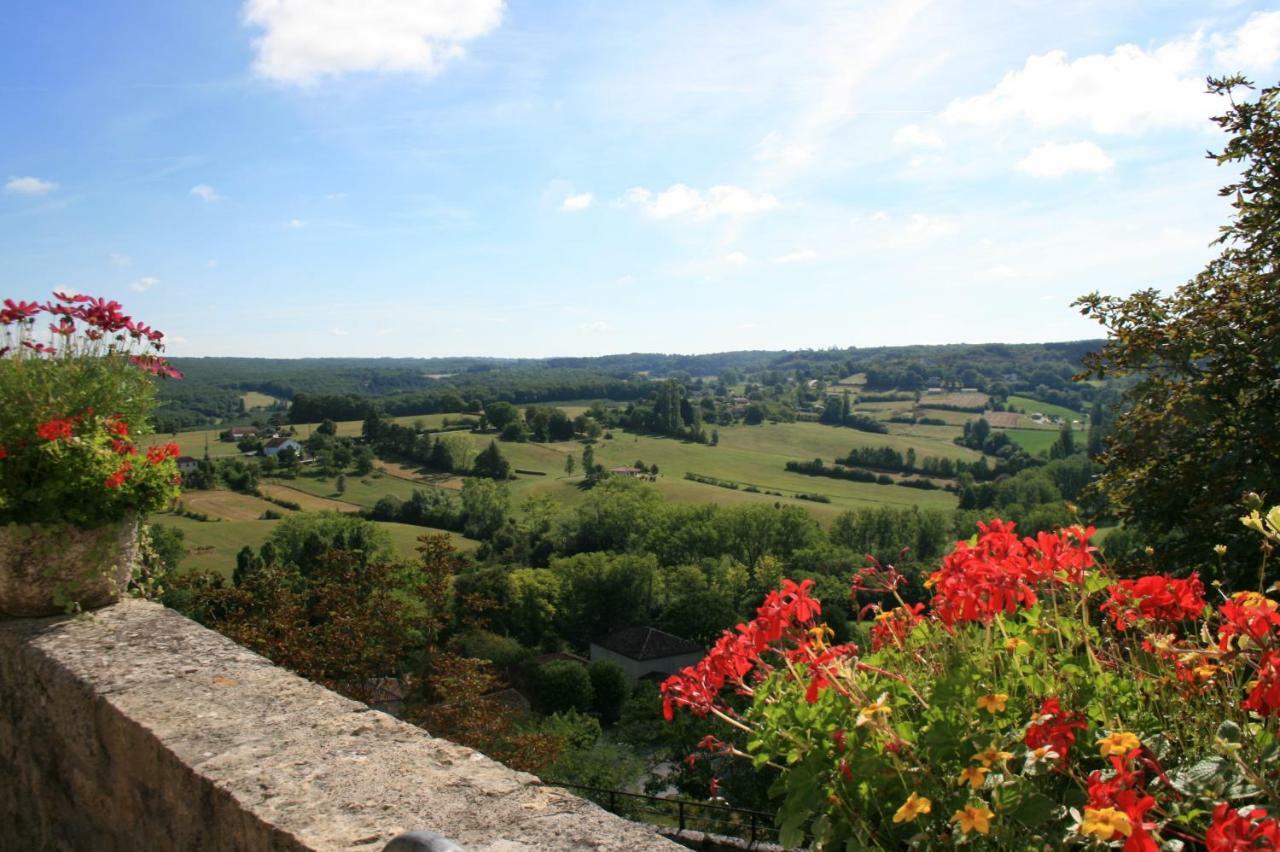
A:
(1201, 426)
(491, 463)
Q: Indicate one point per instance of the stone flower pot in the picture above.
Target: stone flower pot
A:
(51, 569)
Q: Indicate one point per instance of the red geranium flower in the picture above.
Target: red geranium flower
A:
(54, 430)
(4, 453)
(155, 455)
(1055, 728)
(116, 479)
(1240, 830)
(1156, 597)
(1264, 693)
(1248, 615)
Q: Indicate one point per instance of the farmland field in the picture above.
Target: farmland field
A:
(212, 545)
(1029, 405)
(964, 400)
(1034, 441)
(750, 456)
(254, 399)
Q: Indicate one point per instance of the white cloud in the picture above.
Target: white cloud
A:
(306, 39)
(574, 203)
(1255, 46)
(118, 259)
(143, 284)
(211, 264)
(915, 136)
(597, 327)
(682, 200)
(29, 186)
(1055, 159)
(205, 193)
(339, 332)
(774, 149)
(296, 223)
(1127, 91)
(797, 256)
(625, 280)
(736, 259)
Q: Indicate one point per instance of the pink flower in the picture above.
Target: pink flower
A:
(17, 311)
(155, 365)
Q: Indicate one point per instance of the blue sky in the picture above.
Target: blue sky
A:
(437, 177)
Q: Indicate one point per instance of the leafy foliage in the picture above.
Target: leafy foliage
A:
(1201, 427)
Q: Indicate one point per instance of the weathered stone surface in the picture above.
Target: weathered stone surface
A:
(47, 569)
(135, 728)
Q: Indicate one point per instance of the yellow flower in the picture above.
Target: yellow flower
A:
(912, 808)
(1220, 549)
(1254, 599)
(973, 818)
(819, 635)
(1119, 743)
(991, 755)
(973, 776)
(1205, 671)
(1105, 823)
(879, 707)
(993, 704)
(1014, 645)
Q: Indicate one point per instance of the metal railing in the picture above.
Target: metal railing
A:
(751, 826)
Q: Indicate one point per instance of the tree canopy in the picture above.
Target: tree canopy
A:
(1199, 429)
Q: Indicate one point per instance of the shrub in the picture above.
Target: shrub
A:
(500, 650)
(610, 686)
(563, 685)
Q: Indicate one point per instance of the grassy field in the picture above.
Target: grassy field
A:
(1023, 403)
(1034, 441)
(213, 545)
(748, 455)
(254, 399)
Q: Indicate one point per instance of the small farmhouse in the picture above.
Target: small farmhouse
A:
(187, 464)
(235, 433)
(276, 446)
(643, 651)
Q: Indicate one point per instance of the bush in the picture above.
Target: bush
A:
(479, 644)
(610, 685)
(563, 685)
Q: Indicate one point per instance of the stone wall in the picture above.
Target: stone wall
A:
(134, 728)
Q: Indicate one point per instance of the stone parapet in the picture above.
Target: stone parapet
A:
(135, 728)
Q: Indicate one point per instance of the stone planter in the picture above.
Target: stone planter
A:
(49, 569)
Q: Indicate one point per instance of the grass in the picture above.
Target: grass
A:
(1029, 405)
(213, 545)
(361, 491)
(254, 399)
(748, 455)
(1034, 441)
(228, 505)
